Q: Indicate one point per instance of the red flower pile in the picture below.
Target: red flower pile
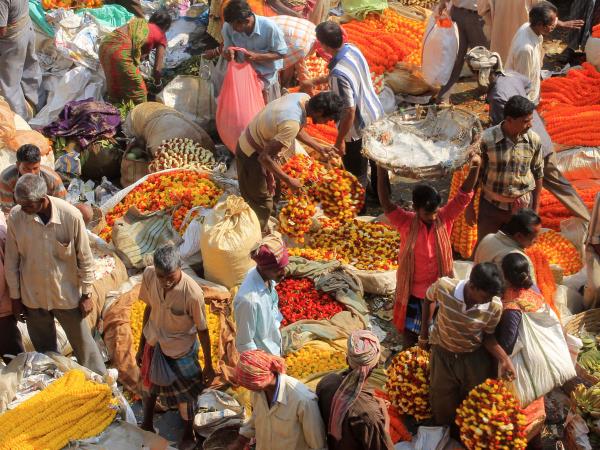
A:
(300, 300)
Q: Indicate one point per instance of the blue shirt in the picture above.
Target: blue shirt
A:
(257, 316)
(266, 37)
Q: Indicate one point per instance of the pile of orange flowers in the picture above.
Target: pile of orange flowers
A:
(596, 31)
(71, 4)
(326, 132)
(560, 251)
(570, 106)
(337, 191)
(553, 212)
(386, 39)
(464, 236)
(181, 190)
(543, 274)
(490, 417)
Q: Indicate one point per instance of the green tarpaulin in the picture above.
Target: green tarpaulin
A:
(112, 16)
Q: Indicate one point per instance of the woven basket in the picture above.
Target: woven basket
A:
(429, 123)
(588, 320)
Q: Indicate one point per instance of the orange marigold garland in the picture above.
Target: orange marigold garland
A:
(464, 236)
(71, 4)
(180, 189)
(553, 212)
(596, 31)
(570, 106)
(326, 132)
(386, 39)
(543, 274)
(560, 251)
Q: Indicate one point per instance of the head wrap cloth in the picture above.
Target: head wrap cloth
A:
(256, 369)
(484, 61)
(270, 253)
(364, 351)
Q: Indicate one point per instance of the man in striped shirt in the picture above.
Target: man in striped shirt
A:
(350, 77)
(462, 338)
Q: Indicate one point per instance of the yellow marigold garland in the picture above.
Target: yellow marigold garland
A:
(464, 236)
(69, 409)
(311, 359)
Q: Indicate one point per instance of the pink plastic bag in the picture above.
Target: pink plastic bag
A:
(240, 100)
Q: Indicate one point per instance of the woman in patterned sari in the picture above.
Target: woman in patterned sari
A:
(122, 51)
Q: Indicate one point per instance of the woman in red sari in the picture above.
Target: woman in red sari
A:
(121, 53)
(519, 298)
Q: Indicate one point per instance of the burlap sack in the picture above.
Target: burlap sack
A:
(119, 340)
(229, 233)
(137, 235)
(154, 123)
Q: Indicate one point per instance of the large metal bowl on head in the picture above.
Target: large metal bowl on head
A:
(422, 143)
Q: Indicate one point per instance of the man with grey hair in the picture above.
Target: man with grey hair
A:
(50, 270)
(502, 85)
(173, 317)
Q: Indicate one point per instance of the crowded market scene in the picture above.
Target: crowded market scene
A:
(300, 224)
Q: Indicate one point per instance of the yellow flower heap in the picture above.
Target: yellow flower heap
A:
(212, 321)
(69, 409)
(490, 417)
(408, 383)
(365, 245)
(313, 359)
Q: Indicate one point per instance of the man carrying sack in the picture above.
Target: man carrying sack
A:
(168, 351)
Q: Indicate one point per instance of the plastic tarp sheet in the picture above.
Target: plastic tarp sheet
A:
(78, 83)
(580, 163)
(112, 16)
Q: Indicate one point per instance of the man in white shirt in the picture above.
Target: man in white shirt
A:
(526, 55)
(285, 413)
(470, 34)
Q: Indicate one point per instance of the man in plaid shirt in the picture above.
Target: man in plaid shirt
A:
(300, 37)
(513, 168)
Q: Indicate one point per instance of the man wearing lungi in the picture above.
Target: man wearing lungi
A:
(173, 317)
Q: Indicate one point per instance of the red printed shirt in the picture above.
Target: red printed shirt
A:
(426, 267)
